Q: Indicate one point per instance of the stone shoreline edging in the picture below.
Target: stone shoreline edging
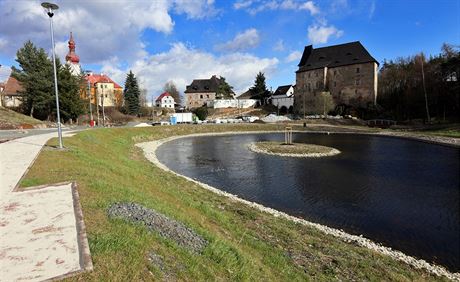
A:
(149, 148)
(253, 147)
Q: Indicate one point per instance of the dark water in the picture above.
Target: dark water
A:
(401, 193)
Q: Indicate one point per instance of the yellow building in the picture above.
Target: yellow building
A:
(104, 91)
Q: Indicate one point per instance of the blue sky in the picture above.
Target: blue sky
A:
(181, 40)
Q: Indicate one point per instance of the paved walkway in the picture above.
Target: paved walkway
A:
(42, 234)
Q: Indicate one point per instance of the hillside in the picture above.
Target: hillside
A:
(10, 119)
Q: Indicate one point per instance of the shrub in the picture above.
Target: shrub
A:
(201, 112)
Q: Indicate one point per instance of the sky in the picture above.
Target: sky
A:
(182, 40)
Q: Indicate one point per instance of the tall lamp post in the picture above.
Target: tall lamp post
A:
(50, 8)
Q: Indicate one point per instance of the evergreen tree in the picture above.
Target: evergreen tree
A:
(225, 91)
(70, 103)
(131, 94)
(259, 91)
(171, 88)
(36, 78)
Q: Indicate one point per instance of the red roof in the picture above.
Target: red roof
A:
(101, 78)
(12, 87)
(162, 95)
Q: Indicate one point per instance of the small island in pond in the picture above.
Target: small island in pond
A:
(293, 150)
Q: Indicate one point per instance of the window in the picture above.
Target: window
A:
(201, 96)
(335, 83)
(356, 91)
(316, 74)
(106, 86)
(309, 86)
(335, 72)
(309, 75)
(357, 70)
(358, 82)
(207, 96)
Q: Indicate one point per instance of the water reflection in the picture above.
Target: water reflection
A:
(402, 193)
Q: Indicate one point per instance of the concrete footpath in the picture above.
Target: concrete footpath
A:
(42, 234)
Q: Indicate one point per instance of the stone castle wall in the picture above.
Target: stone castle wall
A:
(196, 100)
(354, 85)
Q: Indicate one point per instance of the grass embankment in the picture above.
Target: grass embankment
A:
(10, 119)
(244, 243)
(294, 148)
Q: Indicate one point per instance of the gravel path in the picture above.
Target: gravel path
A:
(155, 221)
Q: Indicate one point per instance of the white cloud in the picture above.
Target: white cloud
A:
(182, 64)
(242, 41)
(3, 43)
(320, 34)
(196, 9)
(310, 6)
(279, 46)
(4, 73)
(294, 56)
(254, 7)
(372, 10)
(101, 30)
(242, 4)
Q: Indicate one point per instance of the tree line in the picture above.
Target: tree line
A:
(36, 77)
(419, 88)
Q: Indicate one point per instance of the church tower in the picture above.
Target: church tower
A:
(72, 59)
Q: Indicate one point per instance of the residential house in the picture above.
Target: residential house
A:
(165, 100)
(10, 96)
(201, 91)
(347, 71)
(283, 98)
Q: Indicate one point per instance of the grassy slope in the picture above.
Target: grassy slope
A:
(245, 244)
(12, 119)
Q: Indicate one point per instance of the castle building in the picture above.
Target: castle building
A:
(72, 59)
(347, 71)
(202, 91)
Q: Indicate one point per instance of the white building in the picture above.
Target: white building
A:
(283, 98)
(165, 100)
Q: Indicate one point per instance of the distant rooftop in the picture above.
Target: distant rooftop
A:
(210, 85)
(101, 78)
(334, 56)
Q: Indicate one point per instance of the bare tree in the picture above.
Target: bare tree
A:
(171, 88)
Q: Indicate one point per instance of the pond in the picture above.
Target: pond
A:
(398, 192)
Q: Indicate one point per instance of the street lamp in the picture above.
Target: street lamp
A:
(50, 8)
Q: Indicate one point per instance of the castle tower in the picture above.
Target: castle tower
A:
(72, 59)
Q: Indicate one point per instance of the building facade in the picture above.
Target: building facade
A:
(201, 91)
(283, 98)
(347, 71)
(103, 90)
(165, 100)
(10, 96)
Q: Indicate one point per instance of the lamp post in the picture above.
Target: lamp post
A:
(90, 107)
(50, 8)
(103, 112)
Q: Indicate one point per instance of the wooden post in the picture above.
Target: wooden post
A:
(288, 135)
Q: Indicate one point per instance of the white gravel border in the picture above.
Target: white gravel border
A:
(150, 148)
(254, 148)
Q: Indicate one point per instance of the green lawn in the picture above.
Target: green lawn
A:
(244, 244)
